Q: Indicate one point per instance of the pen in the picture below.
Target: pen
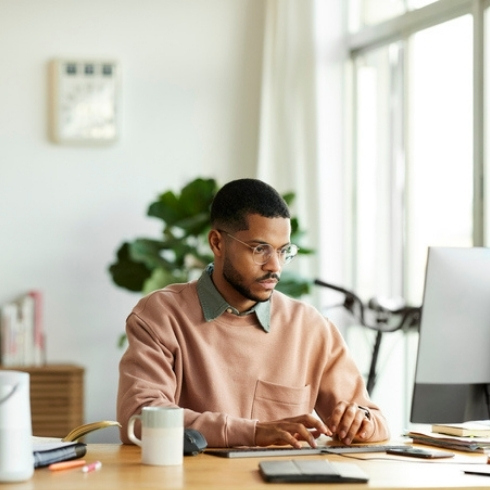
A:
(96, 465)
(66, 465)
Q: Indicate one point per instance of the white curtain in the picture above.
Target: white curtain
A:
(287, 156)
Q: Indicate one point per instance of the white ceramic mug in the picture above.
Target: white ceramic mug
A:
(162, 435)
(16, 456)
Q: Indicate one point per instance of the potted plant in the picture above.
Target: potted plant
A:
(182, 252)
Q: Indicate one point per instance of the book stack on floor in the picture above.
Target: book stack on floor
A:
(473, 436)
(21, 331)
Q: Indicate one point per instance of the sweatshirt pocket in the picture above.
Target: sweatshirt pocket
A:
(274, 402)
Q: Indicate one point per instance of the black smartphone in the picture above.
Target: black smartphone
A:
(415, 452)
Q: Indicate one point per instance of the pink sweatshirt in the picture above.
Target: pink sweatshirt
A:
(229, 373)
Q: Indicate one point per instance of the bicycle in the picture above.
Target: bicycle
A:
(383, 311)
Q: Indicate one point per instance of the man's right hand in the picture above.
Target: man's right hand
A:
(290, 431)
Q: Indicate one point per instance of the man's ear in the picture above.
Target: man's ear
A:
(216, 242)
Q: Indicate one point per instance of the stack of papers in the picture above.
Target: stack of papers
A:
(477, 428)
(457, 443)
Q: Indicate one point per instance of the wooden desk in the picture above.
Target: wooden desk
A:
(122, 470)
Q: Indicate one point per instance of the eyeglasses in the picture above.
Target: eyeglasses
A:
(262, 253)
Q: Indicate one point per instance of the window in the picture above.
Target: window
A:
(379, 169)
(420, 157)
(415, 172)
(486, 135)
(439, 181)
(369, 12)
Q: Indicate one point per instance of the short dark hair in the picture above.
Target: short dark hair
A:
(237, 199)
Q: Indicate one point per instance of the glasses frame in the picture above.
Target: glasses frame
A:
(283, 259)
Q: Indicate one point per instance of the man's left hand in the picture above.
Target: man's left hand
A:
(349, 422)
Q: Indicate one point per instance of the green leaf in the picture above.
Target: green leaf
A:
(189, 211)
(161, 278)
(123, 338)
(288, 197)
(293, 285)
(126, 272)
(167, 208)
(195, 225)
(198, 195)
(149, 252)
(306, 251)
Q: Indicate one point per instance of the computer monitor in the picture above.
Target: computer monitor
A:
(452, 375)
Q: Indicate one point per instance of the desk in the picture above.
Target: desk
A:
(122, 470)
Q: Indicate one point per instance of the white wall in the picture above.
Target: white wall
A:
(190, 99)
(190, 105)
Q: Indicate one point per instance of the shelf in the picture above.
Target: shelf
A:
(57, 398)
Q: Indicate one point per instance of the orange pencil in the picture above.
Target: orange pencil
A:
(67, 465)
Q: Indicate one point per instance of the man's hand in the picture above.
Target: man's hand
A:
(290, 431)
(348, 422)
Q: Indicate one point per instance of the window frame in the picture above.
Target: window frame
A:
(399, 29)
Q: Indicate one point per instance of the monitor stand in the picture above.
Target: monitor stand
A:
(449, 403)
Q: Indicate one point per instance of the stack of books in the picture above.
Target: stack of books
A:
(21, 331)
(473, 436)
(49, 450)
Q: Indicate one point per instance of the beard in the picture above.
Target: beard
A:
(235, 279)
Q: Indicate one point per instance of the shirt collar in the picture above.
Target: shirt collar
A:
(214, 305)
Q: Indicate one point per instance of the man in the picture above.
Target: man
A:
(248, 364)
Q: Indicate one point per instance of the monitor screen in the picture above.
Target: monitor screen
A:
(452, 374)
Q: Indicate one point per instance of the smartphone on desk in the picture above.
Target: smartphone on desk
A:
(415, 452)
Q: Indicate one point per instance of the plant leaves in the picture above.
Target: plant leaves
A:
(161, 278)
(198, 195)
(147, 264)
(148, 252)
(293, 285)
(288, 197)
(126, 272)
(190, 210)
(167, 208)
(195, 225)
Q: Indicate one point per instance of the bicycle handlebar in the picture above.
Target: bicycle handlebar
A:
(387, 307)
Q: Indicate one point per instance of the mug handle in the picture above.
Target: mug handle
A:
(131, 435)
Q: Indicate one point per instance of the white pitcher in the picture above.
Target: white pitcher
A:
(16, 456)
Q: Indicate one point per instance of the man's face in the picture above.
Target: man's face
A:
(247, 282)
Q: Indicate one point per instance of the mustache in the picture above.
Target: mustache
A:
(270, 275)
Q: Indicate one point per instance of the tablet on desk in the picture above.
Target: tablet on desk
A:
(311, 471)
